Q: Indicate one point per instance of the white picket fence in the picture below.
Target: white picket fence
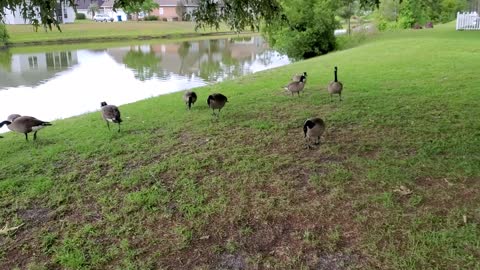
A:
(468, 21)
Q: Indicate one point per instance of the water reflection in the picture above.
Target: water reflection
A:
(55, 85)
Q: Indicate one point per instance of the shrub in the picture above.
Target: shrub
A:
(80, 16)
(150, 18)
(350, 41)
(308, 32)
(3, 34)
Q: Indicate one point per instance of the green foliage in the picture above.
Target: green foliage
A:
(394, 14)
(145, 6)
(346, 10)
(307, 30)
(407, 17)
(3, 34)
(150, 18)
(80, 16)
(449, 9)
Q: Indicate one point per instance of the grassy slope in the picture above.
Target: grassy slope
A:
(178, 190)
(87, 30)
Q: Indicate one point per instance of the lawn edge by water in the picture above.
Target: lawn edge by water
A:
(118, 38)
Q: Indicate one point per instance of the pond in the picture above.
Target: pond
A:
(60, 84)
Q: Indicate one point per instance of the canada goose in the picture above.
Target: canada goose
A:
(313, 129)
(190, 97)
(6, 122)
(216, 101)
(111, 114)
(26, 124)
(335, 87)
(296, 78)
(296, 87)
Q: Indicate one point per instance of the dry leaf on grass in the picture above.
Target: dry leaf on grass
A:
(402, 190)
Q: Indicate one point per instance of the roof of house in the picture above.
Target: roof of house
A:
(166, 3)
(190, 2)
(83, 4)
(108, 3)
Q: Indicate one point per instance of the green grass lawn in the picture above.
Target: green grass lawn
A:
(91, 31)
(393, 186)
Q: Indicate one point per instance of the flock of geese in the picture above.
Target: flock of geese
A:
(313, 128)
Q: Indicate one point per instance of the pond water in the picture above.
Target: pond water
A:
(53, 85)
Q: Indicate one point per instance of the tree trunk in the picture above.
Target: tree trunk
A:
(349, 27)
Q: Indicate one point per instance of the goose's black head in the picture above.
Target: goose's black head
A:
(6, 122)
(308, 124)
(302, 78)
(305, 74)
(103, 104)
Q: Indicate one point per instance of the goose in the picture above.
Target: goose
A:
(6, 122)
(216, 101)
(296, 87)
(313, 129)
(190, 97)
(111, 114)
(296, 77)
(26, 124)
(335, 87)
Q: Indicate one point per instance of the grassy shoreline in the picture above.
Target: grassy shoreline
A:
(87, 32)
(393, 186)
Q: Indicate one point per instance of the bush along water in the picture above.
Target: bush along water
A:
(3, 35)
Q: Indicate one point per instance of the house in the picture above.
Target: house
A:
(167, 9)
(117, 15)
(64, 13)
(82, 6)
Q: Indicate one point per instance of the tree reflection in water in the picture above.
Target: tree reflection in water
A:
(144, 64)
(6, 60)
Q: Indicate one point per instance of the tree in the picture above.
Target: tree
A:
(144, 64)
(4, 36)
(180, 9)
(133, 8)
(304, 29)
(347, 10)
(136, 7)
(93, 8)
(239, 14)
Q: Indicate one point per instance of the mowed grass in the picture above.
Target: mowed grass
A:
(93, 31)
(393, 186)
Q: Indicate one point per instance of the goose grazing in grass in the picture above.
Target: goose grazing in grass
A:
(26, 124)
(216, 101)
(296, 78)
(335, 87)
(111, 114)
(6, 122)
(190, 97)
(296, 87)
(313, 129)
